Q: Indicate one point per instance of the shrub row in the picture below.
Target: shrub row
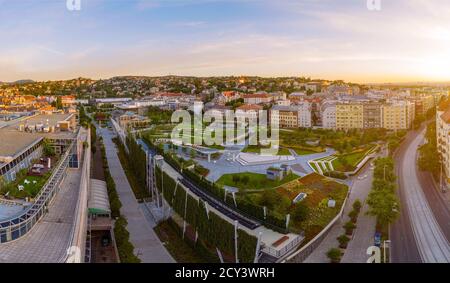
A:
(121, 235)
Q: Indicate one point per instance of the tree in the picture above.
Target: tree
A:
(48, 149)
(334, 255)
(384, 205)
(59, 104)
(301, 212)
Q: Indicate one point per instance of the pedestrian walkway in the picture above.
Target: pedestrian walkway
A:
(147, 245)
(363, 236)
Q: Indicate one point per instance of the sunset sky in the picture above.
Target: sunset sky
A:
(408, 40)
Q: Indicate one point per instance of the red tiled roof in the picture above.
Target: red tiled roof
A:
(444, 105)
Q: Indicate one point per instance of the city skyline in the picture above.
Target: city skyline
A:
(403, 42)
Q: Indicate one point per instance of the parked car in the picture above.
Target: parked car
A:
(106, 241)
(377, 239)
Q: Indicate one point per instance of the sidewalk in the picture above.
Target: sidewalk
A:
(147, 245)
(362, 238)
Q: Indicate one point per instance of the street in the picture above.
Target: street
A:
(417, 235)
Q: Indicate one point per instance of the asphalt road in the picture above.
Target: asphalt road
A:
(440, 208)
(431, 243)
(403, 244)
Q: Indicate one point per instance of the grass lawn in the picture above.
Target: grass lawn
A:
(282, 151)
(348, 162)
(30, 190)
(314, 167)
(256, 181)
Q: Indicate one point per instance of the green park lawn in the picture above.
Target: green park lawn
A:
(348, 162)
(255, 181)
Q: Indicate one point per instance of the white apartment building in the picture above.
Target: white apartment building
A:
(294, 116)
(304, 114)
(328, 115)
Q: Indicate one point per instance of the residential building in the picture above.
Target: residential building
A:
(349, 115)
(68, 100)
(249, 111)
(328, 115)
(423, 104)
(443, 136)
(293, 116)
(398, 115)
(130, 119)
(257, 98)
(372, 115)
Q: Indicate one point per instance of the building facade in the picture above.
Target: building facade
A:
(443, 137)
(398, 115)
(349, 116)
(294, 116)
(372, 116)
(328, 115)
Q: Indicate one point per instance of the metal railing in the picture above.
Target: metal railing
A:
(16, 227)
(76, 247)
(286, 249)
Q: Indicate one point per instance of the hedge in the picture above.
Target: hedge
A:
(122, 237)
(114, 201)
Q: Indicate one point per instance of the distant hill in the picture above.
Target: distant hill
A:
(19, 82)
(23, 82)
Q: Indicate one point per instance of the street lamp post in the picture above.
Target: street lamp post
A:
(385, 243)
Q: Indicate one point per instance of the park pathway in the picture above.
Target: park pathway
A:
(147, 245)
(363, 236)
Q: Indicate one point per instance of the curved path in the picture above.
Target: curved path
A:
(431, 242)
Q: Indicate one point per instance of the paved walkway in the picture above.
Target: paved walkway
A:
(146, 243)
(363, 236)
(223, 166)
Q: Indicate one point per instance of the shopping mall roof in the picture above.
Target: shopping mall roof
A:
(13, 141)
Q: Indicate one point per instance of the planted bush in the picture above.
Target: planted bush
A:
(334, 255)
(357, 205)
(353, 215)
(343, 241)
(349, 226)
